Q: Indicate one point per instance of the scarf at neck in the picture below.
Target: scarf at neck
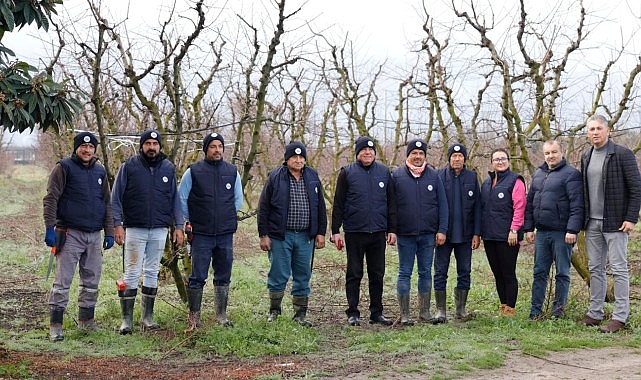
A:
(415, 170)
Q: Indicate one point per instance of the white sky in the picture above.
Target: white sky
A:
(379, 28)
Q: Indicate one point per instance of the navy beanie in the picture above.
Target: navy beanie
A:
(416, 144)
(457, 148)
(84, 137)
(211, 137)
(364, 142)
(295, 148)
(150, 134)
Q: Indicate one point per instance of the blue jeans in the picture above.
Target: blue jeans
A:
(292, 256)
(420, 247)
(463, 256)
(217, 250)
(551, 246)
(604, 247)
(143, 250)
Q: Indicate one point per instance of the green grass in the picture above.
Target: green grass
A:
(442, 351)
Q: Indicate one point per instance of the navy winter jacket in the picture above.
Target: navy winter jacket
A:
(421, 202)
(470, 201)
(555, 200)
(274, 204)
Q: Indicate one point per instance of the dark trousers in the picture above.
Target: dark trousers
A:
(362, 246)
(502, 258)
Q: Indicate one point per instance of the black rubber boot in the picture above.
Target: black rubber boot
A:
(56, 314)
(86, 322)
(221, 297)
(195, 297)
(275, 300)
(424, 307)
(460, 299)
(300, 310)
(127, 301)
(441, 314)
(148, 298)
(404, 305)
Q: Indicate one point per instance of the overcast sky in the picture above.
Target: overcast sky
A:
(380, 29)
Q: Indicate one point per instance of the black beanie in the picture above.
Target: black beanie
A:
(84, 137)
(364, 142)
(211, 137)
(295, 148)
(457, 148)
(150, 134)
(416, 144)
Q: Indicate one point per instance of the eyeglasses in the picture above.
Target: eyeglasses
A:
(500, 159)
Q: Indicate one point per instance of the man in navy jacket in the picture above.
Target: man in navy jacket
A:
(292, 221)
(555, 209)
(421, 199)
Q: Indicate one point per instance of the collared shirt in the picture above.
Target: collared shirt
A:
(299, 215)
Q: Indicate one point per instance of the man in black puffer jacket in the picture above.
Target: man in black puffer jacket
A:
(555, 209)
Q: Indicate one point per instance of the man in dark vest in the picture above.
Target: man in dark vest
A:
(77, 207)
(463, 234)
(145, 204)
(365, 206)
(211, 194)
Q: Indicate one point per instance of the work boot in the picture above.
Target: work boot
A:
(221, 296)
(424, 307)
(55, 323)
(194, 297)
(275, 299)
(148, 298)
(404, 305)
(127, 301)
(441, 314)
(86, 322)
(300, 310)
(460, 299)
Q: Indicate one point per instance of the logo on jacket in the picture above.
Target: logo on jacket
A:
(430, 187)
(228, 186)
(501, 195)
(100, 181)
(381, 184)
(165, 179)
(470, 193)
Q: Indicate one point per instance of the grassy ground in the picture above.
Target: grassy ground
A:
(330, 348)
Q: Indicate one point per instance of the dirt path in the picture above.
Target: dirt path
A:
(597, 364)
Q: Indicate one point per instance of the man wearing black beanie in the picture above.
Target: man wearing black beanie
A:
(77, 207)
(463, 234)
(364, 205)
(211, 195)
(145, 203)
(292, 221)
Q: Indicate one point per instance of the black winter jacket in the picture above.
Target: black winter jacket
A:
(621, 184)
(555, 200)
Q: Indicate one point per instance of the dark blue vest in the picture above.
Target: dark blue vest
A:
(82, 205)
(366, 198)
(148, 199)
(470, 200)
(497, 208)
(416, 201)
(212, 210)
